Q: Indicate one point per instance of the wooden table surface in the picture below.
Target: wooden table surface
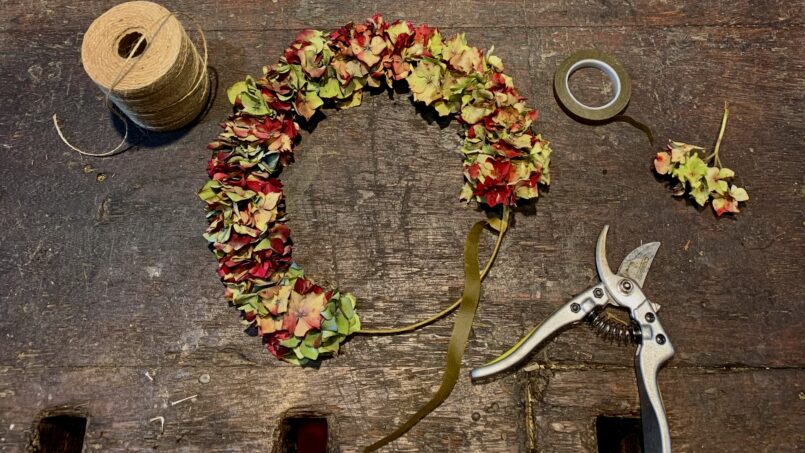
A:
(101, 282)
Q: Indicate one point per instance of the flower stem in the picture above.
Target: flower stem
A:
(720, 135)
(454, 305)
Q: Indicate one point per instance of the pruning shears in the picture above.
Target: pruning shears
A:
(622, 289)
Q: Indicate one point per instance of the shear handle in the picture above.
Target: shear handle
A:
(570, 313)
(654, 350)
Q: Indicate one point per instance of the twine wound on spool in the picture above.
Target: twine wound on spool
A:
(142, 59)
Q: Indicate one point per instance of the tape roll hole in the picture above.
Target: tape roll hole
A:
(125, 45)
(610, 83)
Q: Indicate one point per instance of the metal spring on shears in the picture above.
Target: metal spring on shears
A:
(613, 329)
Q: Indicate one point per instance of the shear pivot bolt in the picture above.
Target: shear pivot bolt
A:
(660, 339)
(626, 286)
(650, 317)
(574, 307)
(598, 292)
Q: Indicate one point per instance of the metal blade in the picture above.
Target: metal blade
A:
(609, 279)
(638, 262)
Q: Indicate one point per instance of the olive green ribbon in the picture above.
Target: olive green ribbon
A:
(458, 339)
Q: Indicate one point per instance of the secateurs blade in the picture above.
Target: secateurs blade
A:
(654, 348)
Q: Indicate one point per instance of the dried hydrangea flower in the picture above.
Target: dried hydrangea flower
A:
(702, 178)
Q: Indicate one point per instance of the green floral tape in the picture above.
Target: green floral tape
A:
(604, 62)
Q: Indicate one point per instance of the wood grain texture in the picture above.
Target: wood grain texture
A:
(239, 409)
(743, 415)
(474, 14)
(104, 280)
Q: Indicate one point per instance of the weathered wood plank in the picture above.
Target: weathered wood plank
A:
(741, 415)
(240, 407)
(736, 410)
(278, 15)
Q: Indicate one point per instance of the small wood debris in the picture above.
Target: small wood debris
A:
(173, 403)
(161, 421)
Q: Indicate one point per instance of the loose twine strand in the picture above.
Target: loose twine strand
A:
(189, 62)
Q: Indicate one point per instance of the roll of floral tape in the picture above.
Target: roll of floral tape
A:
(591, 58)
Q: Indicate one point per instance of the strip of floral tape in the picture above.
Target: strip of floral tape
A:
(613, 109)
(458, 339)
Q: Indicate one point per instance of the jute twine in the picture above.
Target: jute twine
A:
(143, 60)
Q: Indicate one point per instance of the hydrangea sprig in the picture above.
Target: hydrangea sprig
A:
(504, 162)
(702, 178)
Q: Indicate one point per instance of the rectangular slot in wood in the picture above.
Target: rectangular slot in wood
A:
(304, 435)
(62, 434)
(618, 434)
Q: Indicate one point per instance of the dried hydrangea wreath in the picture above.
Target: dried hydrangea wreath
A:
(504, 161)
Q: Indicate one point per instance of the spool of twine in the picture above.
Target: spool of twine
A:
(142, 59)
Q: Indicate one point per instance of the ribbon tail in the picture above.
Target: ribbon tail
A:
(458, 339)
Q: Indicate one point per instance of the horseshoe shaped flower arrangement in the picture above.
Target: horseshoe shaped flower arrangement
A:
(504, 161)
